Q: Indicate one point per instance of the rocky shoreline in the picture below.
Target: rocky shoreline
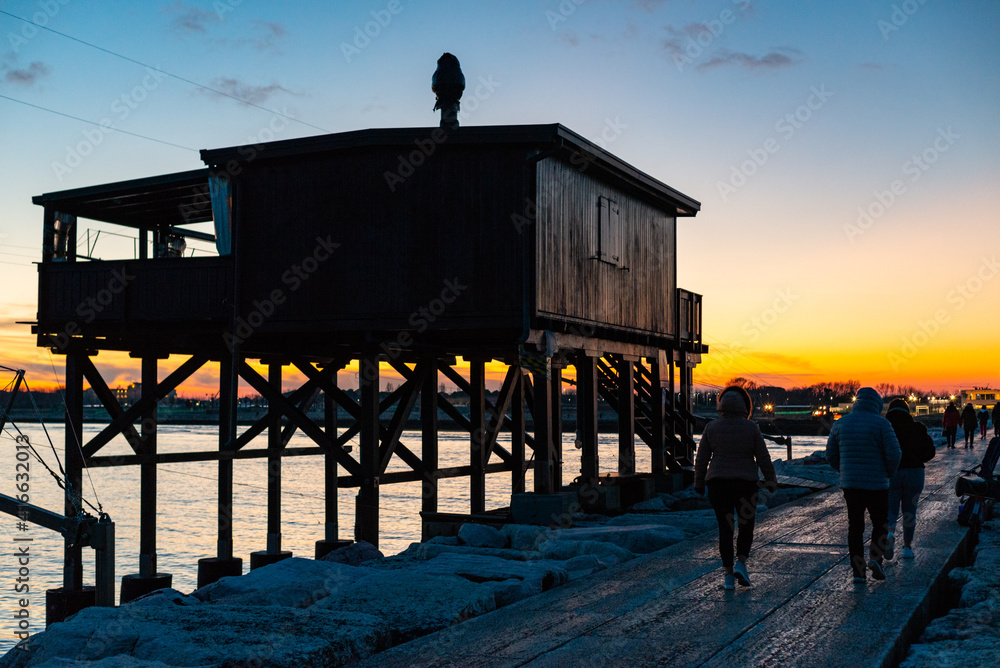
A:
(356, 602)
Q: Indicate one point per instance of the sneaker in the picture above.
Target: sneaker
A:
(729, 582)
(890, 544)
(876, 569)
(742, 576)
(907, 553)
(860, 579)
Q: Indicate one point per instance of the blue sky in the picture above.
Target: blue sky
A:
(783, 119)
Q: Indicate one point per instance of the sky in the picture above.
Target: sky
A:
(846, 155)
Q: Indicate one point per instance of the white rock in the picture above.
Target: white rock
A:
(293, 582)
(609, 554)
(425, 551)
(480, 535)
(412, 602)
(524, 536)
(354, 554)
(484, 568)
(640, 539)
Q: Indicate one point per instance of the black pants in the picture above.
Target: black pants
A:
(876, 503)
(734, 498)
(950, 433)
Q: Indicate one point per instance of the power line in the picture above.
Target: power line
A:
(169, 74)
(104, 127)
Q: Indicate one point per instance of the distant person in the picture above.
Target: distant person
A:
(969, 424)
(731, 450)
(984, 419)
(863, 447)
(952, 418)
(996, 419)
(905, 487)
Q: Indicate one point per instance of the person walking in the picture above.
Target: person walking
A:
(905, 487)
(969, 424)
(996, 419)
(731, 451)
(952, 418)
(863, 447)
(984, 419)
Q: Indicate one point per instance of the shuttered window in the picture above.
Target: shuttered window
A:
(609, 231)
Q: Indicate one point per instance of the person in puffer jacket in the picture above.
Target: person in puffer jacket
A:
(864, 448)
(729, 454)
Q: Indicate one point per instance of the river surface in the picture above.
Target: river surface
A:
(187, 492)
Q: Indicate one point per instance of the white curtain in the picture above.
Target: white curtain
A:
(222, 205)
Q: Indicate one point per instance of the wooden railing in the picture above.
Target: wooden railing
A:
(688, 317)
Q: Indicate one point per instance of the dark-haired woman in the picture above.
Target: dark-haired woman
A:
(729, 454)
(908, 482)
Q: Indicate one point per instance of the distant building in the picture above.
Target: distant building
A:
(980, 396)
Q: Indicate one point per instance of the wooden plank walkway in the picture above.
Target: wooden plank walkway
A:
(669, 608)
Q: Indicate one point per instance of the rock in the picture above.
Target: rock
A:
(816, 458)
(657, 503)
(512, 590)
(354, 554)
(444, 540)
(693, 502)
(641, 539)
(524, 536)
(166, 599)
(414, 602)
(692, 522)
(480, 535)
(608, 554)
(425, 551)
(293, 582)
(476, 568)
(119, 661)
(208, 635)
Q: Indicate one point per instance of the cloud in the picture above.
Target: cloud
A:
(248, 92)
(29, 75)
(189, 19)
(649, 5)
(570, 38)
(772, 60)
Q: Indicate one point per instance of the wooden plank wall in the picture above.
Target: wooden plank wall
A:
(401, 244)
(572, 285)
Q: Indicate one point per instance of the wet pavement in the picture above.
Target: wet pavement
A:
(669, 608)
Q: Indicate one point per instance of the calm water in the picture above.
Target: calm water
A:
(187, 496)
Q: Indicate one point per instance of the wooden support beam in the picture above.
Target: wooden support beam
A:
(542, 415)
(557, 427)
(147, 476)
(626, 416)
(658, 453)
(429, 439)
(517, 435)
(228, 384)
(390, 443)
(110, 401)
(275, 443)
(500, 412)
(586, 406)
(477, 436)
(308, 427)
(135, 411)
(368, 502)
(72, 552)
(331, 488)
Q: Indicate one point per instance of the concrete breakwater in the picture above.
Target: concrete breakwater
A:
(301, 612)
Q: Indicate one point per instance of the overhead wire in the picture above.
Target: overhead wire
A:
(103, 127)
(164, 72)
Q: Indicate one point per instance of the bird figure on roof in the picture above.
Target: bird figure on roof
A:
(448, 84)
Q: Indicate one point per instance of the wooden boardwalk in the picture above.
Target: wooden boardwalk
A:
(669, 608)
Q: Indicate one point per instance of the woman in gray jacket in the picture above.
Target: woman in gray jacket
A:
(730, 452)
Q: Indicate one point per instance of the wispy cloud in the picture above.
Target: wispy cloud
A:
(772, 60)
(248, 92)
(188, 19)
(27, 76)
